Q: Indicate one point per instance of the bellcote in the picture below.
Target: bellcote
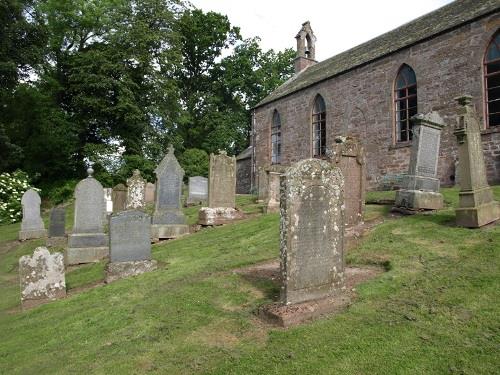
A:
(306, 50)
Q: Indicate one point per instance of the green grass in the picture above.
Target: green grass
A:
(434, 312)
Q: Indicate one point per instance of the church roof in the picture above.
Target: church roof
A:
(437, 22)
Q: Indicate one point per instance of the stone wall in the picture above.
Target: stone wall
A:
(360, 103)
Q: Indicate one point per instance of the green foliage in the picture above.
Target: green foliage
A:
(12, 188)
(194, 162)
(61, 192)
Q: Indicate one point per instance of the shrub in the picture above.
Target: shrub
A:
(12, 188)
(194, 162)
(62, 192)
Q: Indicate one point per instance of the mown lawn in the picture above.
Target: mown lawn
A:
(435, 311)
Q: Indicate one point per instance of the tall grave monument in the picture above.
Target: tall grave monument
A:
(129, 245)
(421, 186)
(168, 219)
(221, 191)
(87, 243)
(136, 193)
(32, 225)
(476, 206)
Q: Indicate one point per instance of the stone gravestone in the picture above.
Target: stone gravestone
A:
(273, 196)
(476, 206)
(168, 219)
(87, 243)
(129, 245)
(197, 190)
(108, 199)
(420, 189)
(119, 197)
(349, 157)
(221, 191)
(41, 277)
(57, 227)
(150, 192)
(262, 184)
(136, 193)
(32, 225)
(312, 229)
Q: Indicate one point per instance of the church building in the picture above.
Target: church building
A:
(371, 91)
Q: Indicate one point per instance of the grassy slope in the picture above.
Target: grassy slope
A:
(434, 312)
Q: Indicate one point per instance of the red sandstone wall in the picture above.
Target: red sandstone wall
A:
(360, 102)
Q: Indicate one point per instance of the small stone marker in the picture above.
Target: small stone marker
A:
(130, 245)
(57, 227)
(108, 199)
(41, 277)
(349, 157)
(32, 225)
(197, 190)
(150, 192)
(476, 206)
(168, 219)
(87, 243)
(119, 197)
(221, 191)
(273, 196)
(312, 230)
(136, 194)
(421, 186)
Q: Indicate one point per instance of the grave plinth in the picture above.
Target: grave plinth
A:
(421, 185)
(476, 206)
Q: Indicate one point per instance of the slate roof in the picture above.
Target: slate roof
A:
(437, 22)
(245, 154)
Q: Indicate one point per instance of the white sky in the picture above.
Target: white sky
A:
(337, 24)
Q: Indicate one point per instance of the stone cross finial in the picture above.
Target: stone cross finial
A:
(464, 100)
(170, 149)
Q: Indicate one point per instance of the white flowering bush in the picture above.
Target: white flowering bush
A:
(12, 188)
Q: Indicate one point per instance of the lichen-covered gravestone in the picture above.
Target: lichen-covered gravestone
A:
(32, 225)
(197, 190)
(476, 206)
(136, 193)
(150, 192)
(349, 157)
(41, 277)
(129, 245)
(119, 197)
(168, 219)
(87, 242)
(311, 231)
(57, 227)
(221, 191)
(420, 189)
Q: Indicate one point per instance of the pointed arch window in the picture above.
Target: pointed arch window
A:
(405, 102)
(319, 127)
(492, 81)
(276, 138)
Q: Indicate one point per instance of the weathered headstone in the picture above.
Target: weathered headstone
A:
(312, 227)
(41, 277)
(108, 199)
(136, 193)
(197, 190)
(119, 197)
(150, 192)
(168, 219)
(221, 191)
(32, 225)
(87, 243)
(57, 227)
(349, 157)
(273, 196)
(262, 184)
(476, 206)
(421, 186)
(129, 245)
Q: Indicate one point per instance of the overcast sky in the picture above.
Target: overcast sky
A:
(337, 24)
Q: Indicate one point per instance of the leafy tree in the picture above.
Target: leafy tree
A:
(194, 162)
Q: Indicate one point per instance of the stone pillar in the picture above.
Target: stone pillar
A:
(136, 192)
(32, 225)
(87, 243)
(421, 186)
(311, 231)
(476, 206)
(168, 219)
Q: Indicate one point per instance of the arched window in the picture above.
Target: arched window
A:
(276, 138)
(492, 81)
(319, 127)
(405, 102)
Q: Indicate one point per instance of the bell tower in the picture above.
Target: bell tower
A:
(306, 52)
